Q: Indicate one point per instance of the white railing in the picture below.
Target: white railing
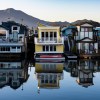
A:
(4, 40)
(82, 35)
(49, 40)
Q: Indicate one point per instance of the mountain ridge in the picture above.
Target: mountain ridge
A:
(10, 14)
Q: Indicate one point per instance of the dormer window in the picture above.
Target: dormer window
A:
(15, 28)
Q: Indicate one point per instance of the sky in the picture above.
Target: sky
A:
(56, 10)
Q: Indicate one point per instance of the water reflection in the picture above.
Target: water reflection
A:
(49, 74)
(83, 70)
(13, 74)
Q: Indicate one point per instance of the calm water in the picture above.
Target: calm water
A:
(69, 80)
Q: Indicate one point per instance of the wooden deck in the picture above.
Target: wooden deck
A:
(89, 56)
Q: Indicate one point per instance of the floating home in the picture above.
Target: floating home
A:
(86, 41)
(12, 39)
(49, 44)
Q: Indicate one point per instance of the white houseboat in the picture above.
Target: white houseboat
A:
(12, 38)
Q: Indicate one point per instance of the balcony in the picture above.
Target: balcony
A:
(4, 41)
(49, 41)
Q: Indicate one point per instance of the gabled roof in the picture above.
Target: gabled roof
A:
(86, 38)
(69, 27)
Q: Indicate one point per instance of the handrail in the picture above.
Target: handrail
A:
(51, 40)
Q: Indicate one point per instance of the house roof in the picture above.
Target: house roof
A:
(97, 28)
(68, 30)
(9, 24)
(69, 27)
(4, 27)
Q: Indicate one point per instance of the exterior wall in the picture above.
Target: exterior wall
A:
(23, 36)
(38, 48)
(12, 49)
(39, 67)
(82, 75)
(48, 29)
(60, 48)
(48, 85)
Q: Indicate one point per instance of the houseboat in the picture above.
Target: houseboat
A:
(12, 39)
(49, 44)
(86, 41)
(49, 74)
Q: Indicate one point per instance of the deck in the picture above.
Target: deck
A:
(89, 56)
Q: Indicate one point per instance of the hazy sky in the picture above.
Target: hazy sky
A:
(56, 10)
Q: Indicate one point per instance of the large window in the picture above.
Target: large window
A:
(2, 34)
(48, 36)
(4, 48)
(49, 48)
(86, 29)
(86, 32)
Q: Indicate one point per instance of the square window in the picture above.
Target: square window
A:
(43, 48)
(15, 28)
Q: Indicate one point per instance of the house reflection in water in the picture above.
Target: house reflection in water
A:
(83, 70)
(85, 73)
(49, 74)
(13, 74)
(71, 66)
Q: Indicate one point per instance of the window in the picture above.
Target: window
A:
(20, 38)
(7, 48)
(46, 34)
(86, 29)
(4, 48)
(13, 47)
(43, 48)
(49, 48)
(51, 34)
(55, 34)
(42, 34)
(2, 34)
(90, 29)
(54, 48)
(15, 28)
(82, 29)
(18, 47)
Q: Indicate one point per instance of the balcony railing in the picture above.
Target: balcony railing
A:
(49, 40)
(88, 52)
(4, 40)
